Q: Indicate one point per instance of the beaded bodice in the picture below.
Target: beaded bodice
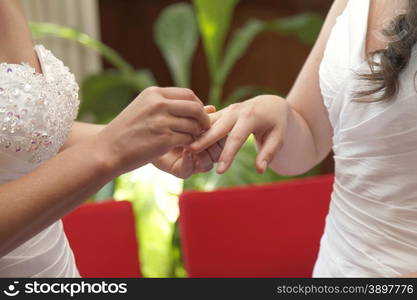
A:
(36, 110)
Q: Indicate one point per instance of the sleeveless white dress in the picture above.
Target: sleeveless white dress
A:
(36, 115)
(371, 227)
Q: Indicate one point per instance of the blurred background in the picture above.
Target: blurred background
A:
(225, 50)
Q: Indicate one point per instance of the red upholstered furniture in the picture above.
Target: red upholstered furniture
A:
(264, 231)
(102, 236)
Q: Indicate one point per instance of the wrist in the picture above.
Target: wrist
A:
(105, 158)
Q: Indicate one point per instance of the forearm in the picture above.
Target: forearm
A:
(411, 275)
(81, 132)
(34, 201)
(298, 153)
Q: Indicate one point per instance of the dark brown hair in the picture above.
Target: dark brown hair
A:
(383, 77)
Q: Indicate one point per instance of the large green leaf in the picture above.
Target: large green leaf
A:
(245, 92)
(214, 18)
(106, 94)
(40, 29)
(304, 27)
(236, 48)
(176, 35)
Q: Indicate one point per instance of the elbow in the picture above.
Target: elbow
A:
(290, 170)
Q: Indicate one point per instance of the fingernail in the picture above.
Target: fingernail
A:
(221, 166)
(193, 147)
(264, 165)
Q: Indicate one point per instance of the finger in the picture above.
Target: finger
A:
(214, 152)
(185, 125)
(187, 109)
(217, 131)
(271, 145)
(187, 164)
(203, 162)
(235, 140)
(180, 139)
(176, 93)
(222, 142)
(214, 117)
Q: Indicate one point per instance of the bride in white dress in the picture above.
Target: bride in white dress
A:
(50, 164)
(368, 116)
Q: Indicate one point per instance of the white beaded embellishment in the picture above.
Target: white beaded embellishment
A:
(36, 110)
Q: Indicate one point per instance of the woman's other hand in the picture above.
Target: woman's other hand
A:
(264, 116)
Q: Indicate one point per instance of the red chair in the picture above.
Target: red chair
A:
(103, 239)
(260, 231)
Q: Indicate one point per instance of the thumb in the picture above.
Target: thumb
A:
(268, 150)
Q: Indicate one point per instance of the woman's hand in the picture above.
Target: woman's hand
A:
(156, 122)
(264, 116)
(182, 163)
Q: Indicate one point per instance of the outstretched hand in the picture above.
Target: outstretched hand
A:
(264, 116)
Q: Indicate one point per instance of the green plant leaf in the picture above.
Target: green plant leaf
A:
(40, 29)
(143, 79)
(214, 18)
(245, 92)
(305, 27)
(176, 35)
(236, 48)
(106, 94)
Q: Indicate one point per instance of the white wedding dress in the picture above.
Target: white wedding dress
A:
(371, 227)
(36, 114)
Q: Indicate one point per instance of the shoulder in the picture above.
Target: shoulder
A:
(15, 37)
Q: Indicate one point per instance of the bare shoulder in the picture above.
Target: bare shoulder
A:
(15, 38)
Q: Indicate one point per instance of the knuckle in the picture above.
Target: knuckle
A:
(268, 156)
(235, 106)
(168, 135)
(151, 90)
(188, 91)
(250, 113)
(159, 104)
(158, 126)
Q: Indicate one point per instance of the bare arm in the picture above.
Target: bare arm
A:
(293, 134)
(81, 132)
(308, 139)
(15, 38)
(36, 200)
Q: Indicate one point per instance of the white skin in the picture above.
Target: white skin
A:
(155, 127)
(293, 134)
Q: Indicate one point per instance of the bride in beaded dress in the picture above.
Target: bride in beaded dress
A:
(50, 164)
